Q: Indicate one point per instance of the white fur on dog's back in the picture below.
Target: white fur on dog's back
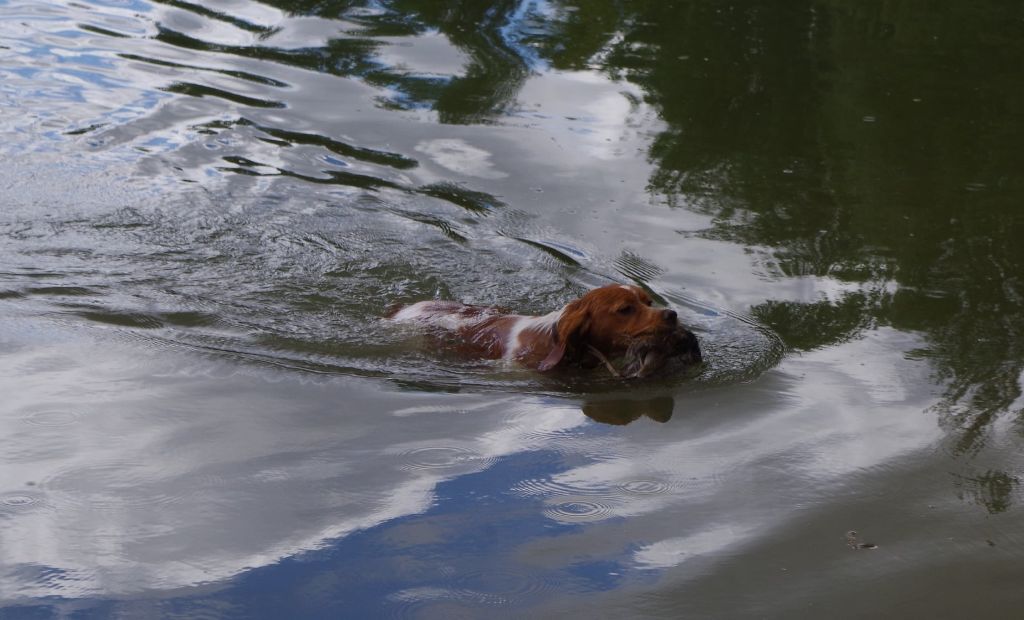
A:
(546, 323)
(452, 315)
(446, 314)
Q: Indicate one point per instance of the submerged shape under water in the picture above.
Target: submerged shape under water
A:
(209, 209)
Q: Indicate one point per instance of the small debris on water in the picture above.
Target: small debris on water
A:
(853, 543)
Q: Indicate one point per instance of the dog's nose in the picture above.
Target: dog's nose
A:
(669, 316)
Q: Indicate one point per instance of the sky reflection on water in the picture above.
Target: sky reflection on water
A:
(164, 480)
(209, 208)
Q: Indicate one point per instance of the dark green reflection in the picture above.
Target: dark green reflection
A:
(874, 143)
(485, 31)
(993, 489)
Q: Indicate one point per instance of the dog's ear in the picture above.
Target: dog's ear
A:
(573, 326)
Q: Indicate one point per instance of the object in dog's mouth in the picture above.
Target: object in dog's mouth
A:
(647, 355)
(610, 322)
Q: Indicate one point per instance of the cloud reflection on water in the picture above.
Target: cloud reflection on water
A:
(178, 471)
(277, 206)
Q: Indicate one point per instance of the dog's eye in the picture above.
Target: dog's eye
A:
(626, 310)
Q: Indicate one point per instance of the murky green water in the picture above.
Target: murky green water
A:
(207, 209)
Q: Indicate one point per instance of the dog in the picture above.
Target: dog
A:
(609, 322)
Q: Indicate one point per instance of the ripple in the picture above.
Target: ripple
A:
(36, 579)
(547, 487)
(567, 502)
(53, 418)
(472, 589)
(385, 158)
(637, 267)
(19, 501)
(473, 201)
(412, 602)
(566, 441)
(65, 291)
(579, 510)
(442, 457)
(137, 320)
(116, 485)
(736, 347)
(645, 487)
(200, 90)
(503, 585)
(561, 252)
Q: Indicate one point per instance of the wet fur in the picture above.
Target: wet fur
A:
(609, 321)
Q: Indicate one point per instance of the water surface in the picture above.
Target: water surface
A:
(210, 207)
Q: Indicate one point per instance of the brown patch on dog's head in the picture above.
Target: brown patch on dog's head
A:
(610, 319)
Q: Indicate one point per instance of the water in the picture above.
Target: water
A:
(208, 209)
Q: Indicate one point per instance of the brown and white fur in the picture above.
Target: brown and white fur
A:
(604, 322)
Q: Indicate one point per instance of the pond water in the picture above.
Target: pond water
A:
(209, 209)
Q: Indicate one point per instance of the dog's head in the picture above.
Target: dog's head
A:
(614, 318)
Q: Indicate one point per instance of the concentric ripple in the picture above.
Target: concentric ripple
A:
(113, 485)
(546, 487)
(53, 418)
(568, 502)
(645, 487)
(19, 501)
(582, 502)
(500, 585)
(471, 590)
(580, 509)
(443, 458)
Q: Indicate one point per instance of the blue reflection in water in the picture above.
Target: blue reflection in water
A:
(461, 552)
(133, 5)
(518, 26)
(472, 530)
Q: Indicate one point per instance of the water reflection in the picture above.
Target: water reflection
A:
(624, 411)
(480, 89)
(811, 165)
(995, 490)
(890, 179)
(215, 482)
(207, 211)
(302, 218)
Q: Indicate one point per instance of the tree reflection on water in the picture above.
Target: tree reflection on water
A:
(873, 145)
